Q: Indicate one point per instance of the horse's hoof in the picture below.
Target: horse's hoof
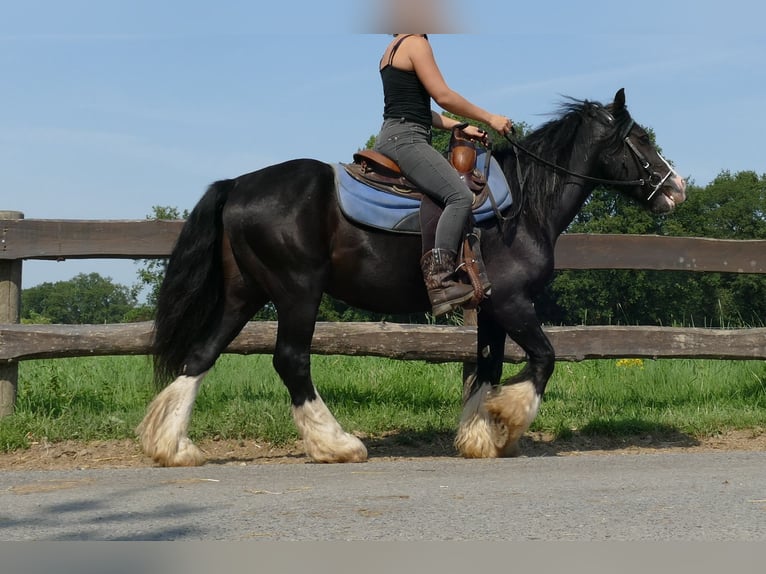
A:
(186, 453)
(347, 449)
(475, 439)
(514, 407)
(323, 438)
(510, 450)
(477, 436)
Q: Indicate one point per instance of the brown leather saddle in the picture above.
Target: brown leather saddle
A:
(380, 172)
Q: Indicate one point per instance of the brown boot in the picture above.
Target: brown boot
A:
(445, 294)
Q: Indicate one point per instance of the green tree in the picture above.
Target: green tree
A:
(731, 207)
(85, 299)
(152, 271)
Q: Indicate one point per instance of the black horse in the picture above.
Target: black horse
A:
(278, 235)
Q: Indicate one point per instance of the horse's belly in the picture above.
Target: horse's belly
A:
(380, 276)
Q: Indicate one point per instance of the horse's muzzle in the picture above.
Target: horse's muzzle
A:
(672, 194)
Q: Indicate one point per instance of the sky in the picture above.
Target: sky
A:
(112, 107)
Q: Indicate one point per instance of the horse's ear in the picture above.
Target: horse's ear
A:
(619, 99)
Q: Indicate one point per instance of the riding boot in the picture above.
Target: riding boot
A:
(474, 243)
(445, 294)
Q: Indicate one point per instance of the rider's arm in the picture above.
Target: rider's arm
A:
(423, 62)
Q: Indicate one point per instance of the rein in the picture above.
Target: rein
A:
(627, 183)
(655, 179)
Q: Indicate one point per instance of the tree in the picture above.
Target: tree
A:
(152, 272)
(85, 299)
(731, 207)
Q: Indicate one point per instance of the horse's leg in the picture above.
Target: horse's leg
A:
(496, 416)
(323, 437)
(163, 431)
(515, 404)
(477, 435)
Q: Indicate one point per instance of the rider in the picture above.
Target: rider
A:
(411, 79)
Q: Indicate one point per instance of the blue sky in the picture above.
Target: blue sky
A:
(109, 108)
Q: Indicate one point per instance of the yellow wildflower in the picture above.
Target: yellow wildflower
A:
(630, 363)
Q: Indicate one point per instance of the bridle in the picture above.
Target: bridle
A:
(653, 178)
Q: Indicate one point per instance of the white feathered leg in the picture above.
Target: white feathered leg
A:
(514, 407)
(163, 430)
(494, 420)
(323, 437)
(477, 436)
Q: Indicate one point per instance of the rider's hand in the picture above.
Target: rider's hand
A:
(476, 134)
(501, 124)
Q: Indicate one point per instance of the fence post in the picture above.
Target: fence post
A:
(10, 312)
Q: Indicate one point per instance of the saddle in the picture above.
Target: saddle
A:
(379, 171)
(382, 173)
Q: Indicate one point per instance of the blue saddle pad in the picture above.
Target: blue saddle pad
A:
(374, 208)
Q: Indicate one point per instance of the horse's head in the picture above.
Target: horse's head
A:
(631, 156)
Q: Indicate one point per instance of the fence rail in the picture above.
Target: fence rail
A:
(437, 343)
(22, 239)
(82, 239)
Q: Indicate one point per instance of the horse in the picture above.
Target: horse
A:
(278, 235)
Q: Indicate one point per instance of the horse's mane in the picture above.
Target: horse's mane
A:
(554, 141)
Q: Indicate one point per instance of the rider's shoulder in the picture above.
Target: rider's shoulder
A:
(417, 44)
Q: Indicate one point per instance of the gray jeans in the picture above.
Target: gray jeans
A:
(409, 145)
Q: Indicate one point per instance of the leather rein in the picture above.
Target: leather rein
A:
(654, 178)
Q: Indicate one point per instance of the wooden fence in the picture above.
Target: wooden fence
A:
(22, 239)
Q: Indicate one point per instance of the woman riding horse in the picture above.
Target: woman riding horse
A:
(411, 79)
(279, 235)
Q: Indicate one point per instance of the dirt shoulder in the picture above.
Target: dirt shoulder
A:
(71, 455)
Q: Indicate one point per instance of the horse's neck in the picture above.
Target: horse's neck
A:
(570, 193)
(573, 191)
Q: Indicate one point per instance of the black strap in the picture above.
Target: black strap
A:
(517, 148)
(396, 47)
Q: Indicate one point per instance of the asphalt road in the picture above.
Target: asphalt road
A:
(667, 496)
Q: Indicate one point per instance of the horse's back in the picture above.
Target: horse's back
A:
(293, 192)
(290, 180)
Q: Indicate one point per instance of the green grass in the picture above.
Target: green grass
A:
(105, 398)
(694, 397)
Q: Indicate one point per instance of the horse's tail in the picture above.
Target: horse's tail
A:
(191, 293)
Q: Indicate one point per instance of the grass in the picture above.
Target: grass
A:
(105, 398)
(695, 397)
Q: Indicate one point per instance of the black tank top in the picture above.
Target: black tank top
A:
(404, 95)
